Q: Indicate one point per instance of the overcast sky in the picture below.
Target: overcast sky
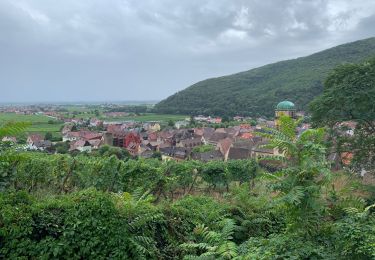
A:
(103, 50)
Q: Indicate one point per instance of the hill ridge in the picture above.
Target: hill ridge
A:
(256, 91)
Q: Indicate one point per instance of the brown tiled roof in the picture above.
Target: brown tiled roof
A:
(246, 135)
(115, 128)
(225, 145)
(217, 136)
(79, 143)
(244, 143)
(95, 142)
(198, 131)
(152, 136)
(35, 138)
(193, 142)
(236, 153)
(221, 130)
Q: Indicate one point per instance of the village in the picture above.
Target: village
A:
(198, 137)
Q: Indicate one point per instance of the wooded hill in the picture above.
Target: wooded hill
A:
(256, 92)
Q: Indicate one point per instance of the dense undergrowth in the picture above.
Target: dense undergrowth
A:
(88, 207)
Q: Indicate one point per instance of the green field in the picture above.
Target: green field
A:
(147, 117)
(39, 123)
(6, 117)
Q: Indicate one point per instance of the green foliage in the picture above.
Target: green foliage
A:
(349, 96)
(257, 91)
(203, 148)
(62, 147)
(215, 173)
(242, 170)
(170, 123)
(198, 210)
(354, 236)
(36, 123)
(108, 151)
(255, 212)
(285, 246)
(299, 185)
(12, 128)
(48, 136)
(212, 244)
(88, 224)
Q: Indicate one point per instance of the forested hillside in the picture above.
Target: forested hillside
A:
(257, 91)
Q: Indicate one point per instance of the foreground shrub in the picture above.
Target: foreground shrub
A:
(84, 225)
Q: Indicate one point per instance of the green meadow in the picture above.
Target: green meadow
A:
(39, 123)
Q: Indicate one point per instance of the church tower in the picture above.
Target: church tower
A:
(284, 108)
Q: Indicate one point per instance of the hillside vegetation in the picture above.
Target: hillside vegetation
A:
(257, 91)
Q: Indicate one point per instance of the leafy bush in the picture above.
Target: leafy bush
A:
(87, 224)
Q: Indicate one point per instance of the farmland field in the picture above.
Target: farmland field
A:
(6, 117)
(39, 123)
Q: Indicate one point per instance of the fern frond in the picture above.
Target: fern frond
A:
(144, 219)
(294, 196)
(228, 250)
(228, 229)
(211, 237)
(200, 246)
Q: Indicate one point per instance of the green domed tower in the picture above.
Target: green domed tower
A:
(284, 108)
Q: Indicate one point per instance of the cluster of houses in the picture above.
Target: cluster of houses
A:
(238, 142)
(208, 119)
(145, 139)
(37, 142)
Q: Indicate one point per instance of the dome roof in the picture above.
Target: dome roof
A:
(285, 105)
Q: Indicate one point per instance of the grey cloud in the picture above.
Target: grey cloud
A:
(130, 49)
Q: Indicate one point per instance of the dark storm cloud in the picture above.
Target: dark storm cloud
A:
(131, 49)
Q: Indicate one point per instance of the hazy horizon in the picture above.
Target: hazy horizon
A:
(98, 51)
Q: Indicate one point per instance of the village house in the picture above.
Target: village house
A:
(11, 139)
(33, 138)
(81, 146)
(174, 153)
(132, 143)
(214, 155)
(37, 142)
(67, 128)
(224, 147)
(180, 124)
(216, 137)
(238, 118)
(190, 143)
(70, 136)
(116, 114)
(151, 126)
(81, 135)
(238, 153)
(200, 118)
(96, 122)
